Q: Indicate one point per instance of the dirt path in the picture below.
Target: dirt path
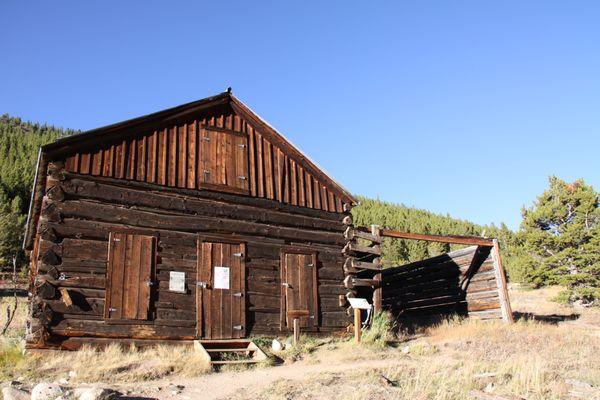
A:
(227, 384)
(223, 386)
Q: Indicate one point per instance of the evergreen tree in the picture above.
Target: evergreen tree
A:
(19, 144)
(560, 239)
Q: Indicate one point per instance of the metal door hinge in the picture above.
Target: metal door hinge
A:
(206, 171)
(150, 283)
(239, 294)
(287, 285)
(238, 327)
(310, 265)
(238, 254)
(242, 145)
(312, 317)
(242, 178)
(201, 284)
(116, 240)
(206, 138)
(112, 309)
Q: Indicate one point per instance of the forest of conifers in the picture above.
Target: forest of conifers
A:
(558, 241)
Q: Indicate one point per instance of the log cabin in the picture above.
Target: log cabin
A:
(197, 222)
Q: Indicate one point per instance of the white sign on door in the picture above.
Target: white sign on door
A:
(177, 281)
(221, 277)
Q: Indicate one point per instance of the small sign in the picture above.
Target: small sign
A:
(221, 275)
(177, 281)
(359, 304)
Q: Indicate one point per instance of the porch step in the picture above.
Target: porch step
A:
(232, 351)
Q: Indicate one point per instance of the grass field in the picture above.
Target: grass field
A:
(551, 352)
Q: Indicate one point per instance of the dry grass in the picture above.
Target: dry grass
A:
(17, 326)
(114, 364)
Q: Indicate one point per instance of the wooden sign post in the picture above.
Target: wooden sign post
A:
(296, 315)
(357, 325)
(358, 305)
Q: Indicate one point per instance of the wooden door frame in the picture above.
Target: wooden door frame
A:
(201, 238)
(282, 303)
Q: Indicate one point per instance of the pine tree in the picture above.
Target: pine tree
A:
(560, 238)
(19, 144)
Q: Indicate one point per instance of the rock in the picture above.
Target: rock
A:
(406, 349)
(12, 393)
(276, 345)
(94, 393)
(72, 374)
(489, 388)
(46, 391)
(63, 381)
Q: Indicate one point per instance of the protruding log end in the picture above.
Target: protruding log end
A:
(347, 220)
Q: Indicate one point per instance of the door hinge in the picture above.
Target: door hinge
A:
(112, 309)
(310, 265)
(201, 284)
(242, 178)
(287, 285)
(206, 138)
(242, 145)
(150, 283)
(206, 172)
(116, 240)
(238, 327)
(238, 294)
(312, 317)
(238, 254)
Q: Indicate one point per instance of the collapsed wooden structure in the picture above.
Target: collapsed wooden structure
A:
(468, 281)
(200, 222)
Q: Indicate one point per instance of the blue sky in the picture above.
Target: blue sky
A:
(456, 107)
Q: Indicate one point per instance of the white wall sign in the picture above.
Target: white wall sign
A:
(358, 303)
(221, 278)
(177, 281)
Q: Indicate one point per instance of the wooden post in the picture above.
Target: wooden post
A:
(296, 315)
(377, 295)
(377, 292)
(501, 282)
(357, 325)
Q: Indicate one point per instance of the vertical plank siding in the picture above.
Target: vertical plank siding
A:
(180, 155)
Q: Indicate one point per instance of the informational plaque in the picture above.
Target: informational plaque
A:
(358, 303)
(177, 281)
(221, 275)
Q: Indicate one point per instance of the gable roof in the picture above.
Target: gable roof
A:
(172, 115)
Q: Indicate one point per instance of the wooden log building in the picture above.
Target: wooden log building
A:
(196, 222)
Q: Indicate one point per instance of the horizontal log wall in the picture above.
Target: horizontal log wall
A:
(79, 211)
(462, 282)
(171, 156)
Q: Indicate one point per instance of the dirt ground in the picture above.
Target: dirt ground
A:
(552, 352)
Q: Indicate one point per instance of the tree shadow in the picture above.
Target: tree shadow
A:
(552, 319)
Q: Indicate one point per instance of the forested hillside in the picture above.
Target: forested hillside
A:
(410, 219)
(19, 143)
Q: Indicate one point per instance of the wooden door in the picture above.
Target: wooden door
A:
(224, 159)
(221, 290)
(299, 287)
(129, 279)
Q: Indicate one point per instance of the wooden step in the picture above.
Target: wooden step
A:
(213, 350)
(229, 350)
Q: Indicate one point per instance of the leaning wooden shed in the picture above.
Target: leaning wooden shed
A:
(196, 222)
